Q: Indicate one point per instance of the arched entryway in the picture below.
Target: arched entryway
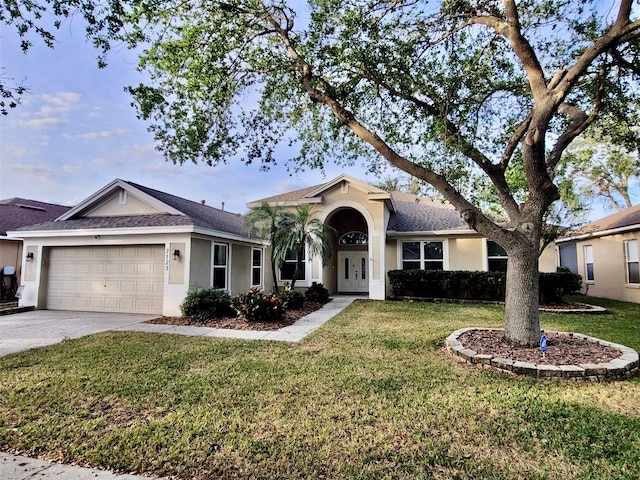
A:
(349, 265)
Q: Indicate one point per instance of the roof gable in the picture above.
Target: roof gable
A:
(123, 204)
(119, 198)
(316, 193)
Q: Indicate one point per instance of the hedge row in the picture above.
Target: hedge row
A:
(468, 285)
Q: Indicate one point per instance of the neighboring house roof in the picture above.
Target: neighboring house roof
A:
(625, 220)
(20, 212)
(417, 214)
(173, 212)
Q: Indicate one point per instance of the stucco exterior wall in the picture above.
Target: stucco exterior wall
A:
(121, 203)
(609, 268)
(466, 253)
(240, 269)
(200, 269)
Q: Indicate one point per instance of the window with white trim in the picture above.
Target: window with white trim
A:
(256, 267)
(632, 261)
(220, 265)
(497, 257)
(588, 263)
(427, 255)
(288, 267)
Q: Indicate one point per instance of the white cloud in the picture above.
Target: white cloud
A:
(41, 122)
(13, 151)
(44, 140)
(102, 134)
(32, 172)
(73, 169)
(59, 102)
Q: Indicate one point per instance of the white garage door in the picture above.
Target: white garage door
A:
(126, 279)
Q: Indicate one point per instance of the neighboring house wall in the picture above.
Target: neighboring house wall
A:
(10, 256)
(610, 278)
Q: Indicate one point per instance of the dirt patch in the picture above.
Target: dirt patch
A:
(240, 323)
(562, 349)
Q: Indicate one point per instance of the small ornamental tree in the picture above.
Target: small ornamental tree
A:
(439, 89)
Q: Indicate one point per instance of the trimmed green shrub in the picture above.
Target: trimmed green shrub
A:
(317, 293)
(473, 285)
(291, 299)
(203, 304)
(465, 285)
(554, 285)
(256, 306)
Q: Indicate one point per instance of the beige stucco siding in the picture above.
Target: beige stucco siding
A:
(240, 278)
(121, 203)
(609, 268)
(200, 270)
(466, 254)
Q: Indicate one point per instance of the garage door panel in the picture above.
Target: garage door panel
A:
(128, 279)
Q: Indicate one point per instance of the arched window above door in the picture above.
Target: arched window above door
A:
(354, 238)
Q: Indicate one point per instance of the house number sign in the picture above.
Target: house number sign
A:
(166, 259)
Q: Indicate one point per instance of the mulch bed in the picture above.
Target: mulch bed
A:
(239, 323)
(562, 349)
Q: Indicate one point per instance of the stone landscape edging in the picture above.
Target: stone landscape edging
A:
(623, 367)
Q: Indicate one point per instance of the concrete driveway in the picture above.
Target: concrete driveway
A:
(22, 331)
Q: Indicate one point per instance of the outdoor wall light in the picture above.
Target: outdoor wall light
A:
(176, 254)
(29, 256)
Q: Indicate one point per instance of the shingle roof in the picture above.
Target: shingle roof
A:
(195, 214)
(289, 196)
(417, 214)
(626, 218)
(202, 215)
(128, 221)
(20, 212)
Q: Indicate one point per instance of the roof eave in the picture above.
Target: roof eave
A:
(287, 203)
(107, 189)
(599, 233)
(422, 233)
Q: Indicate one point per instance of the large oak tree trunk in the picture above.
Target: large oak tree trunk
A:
(522, 322)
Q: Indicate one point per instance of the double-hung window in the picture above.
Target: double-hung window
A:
(588, 263)
(256, 267)
(427, 255)
(632, 261)
(496, 257)
(220, 265)
(288, 267)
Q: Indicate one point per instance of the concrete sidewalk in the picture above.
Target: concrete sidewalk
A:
(23, 331)
(292, 333)
(16, 467)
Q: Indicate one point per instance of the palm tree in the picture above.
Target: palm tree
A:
(264, 221)
(297, 230)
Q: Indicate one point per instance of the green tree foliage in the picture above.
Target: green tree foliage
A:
(264, 222)
(438, 89)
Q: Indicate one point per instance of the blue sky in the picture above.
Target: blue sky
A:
(76, 131)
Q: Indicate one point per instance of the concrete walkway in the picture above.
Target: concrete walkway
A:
(292, 333)
(39, 328)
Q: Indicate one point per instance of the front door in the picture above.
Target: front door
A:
(353, 272)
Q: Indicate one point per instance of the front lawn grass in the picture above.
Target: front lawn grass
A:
(369, 395)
